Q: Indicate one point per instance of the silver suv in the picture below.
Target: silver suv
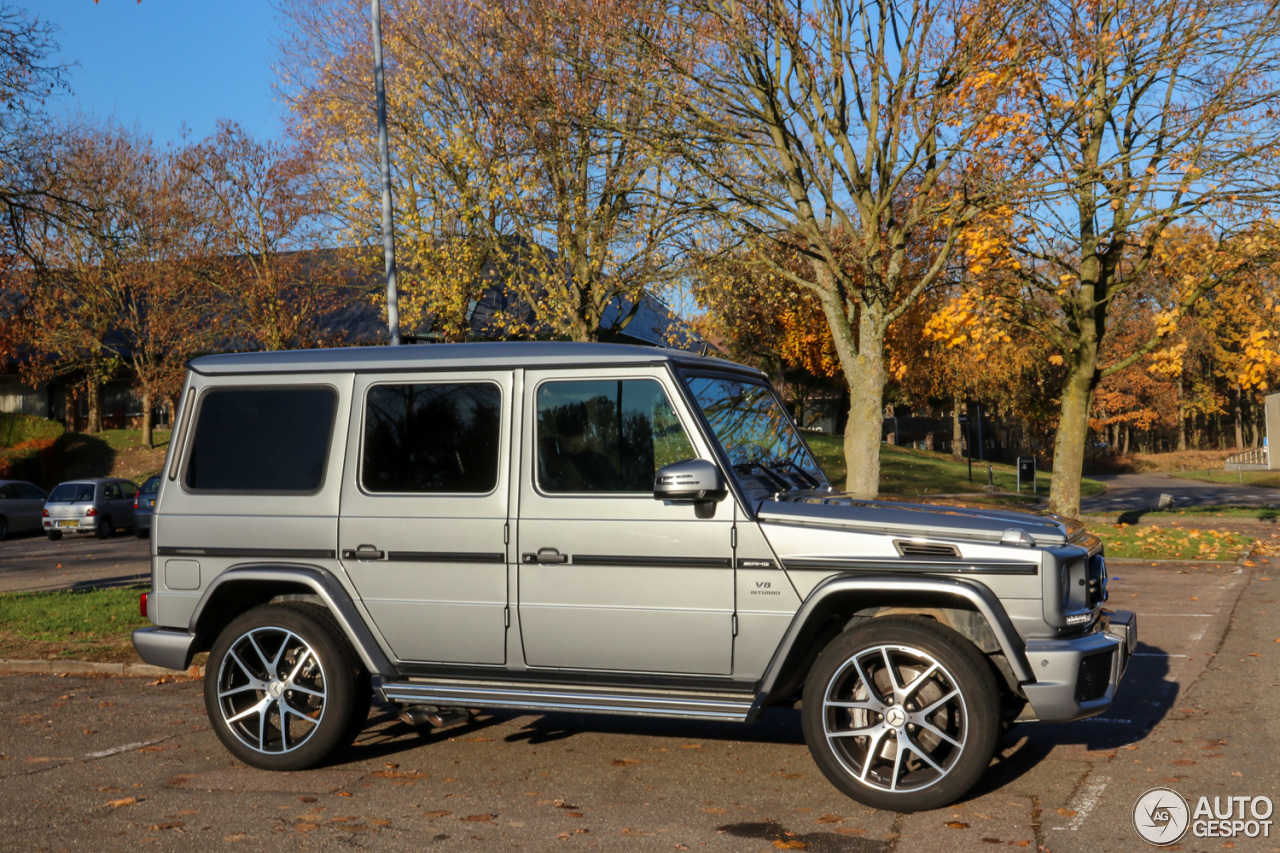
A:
(595, 528)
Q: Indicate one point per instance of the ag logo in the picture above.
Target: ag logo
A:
(1161, 816)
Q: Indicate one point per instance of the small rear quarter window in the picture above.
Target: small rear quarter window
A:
(261, 440)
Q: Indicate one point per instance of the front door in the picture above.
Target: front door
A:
(609, 578)
(423, 524)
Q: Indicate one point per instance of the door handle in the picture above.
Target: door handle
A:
(363, 552)
(545, 556)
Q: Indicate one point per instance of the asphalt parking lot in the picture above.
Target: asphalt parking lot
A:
(124, 763)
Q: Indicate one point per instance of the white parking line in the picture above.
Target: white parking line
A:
(128, 747)
(1085, 801)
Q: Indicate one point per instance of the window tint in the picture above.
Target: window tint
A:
(9, 491)
(30, 492)
(261, 440)
(129, 489)
(430, 438)
(606, 435)
(151, 486)
(111, 492)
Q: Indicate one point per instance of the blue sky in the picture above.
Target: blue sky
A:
(159, 63)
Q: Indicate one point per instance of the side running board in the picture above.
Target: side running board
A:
(735, 707)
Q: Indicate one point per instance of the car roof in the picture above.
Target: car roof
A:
(492, 355)
(93, 480)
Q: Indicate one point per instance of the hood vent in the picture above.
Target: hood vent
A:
(908, 548)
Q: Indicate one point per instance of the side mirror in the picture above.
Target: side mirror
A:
(691, 480)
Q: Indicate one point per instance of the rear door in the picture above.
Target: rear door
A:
(423, 525)
(609, 578)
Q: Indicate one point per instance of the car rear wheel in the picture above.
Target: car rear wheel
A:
(281, 686)
(54, 535)
(4, 527)
(901, 713)
(104, 529)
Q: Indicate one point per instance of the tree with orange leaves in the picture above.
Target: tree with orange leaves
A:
(1146, 117)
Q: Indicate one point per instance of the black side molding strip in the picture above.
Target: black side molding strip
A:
(914, 567)
(263, 553)
(673, 562)
(445, 557)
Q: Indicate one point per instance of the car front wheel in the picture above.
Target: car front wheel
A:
(901, 713)
(281, 685)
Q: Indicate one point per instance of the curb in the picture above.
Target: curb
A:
(79, 667)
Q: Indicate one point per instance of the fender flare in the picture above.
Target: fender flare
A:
(326, 586)
(975, 595)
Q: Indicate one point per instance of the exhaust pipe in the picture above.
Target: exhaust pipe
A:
(431, 715)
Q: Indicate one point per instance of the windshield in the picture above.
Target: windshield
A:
(756, 434)
(151, 486)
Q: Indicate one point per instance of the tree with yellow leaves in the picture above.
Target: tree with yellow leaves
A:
(516, 157)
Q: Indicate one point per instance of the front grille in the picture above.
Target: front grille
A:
(1094, 676)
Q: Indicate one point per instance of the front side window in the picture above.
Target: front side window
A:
(264, 440)
(755, 433)
(606, 435)
(432, 438)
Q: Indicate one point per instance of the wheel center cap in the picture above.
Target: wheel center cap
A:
(275, 689)
(895, 717)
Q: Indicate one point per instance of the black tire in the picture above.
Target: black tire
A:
(950, 720)
(141, 532)
(302, 666)
(4, 527)
(54, 535)
(104, 529)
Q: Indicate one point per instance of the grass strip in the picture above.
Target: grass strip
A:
(91, 625)
(1152, 542)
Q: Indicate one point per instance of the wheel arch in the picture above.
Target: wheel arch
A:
(241, 588)
(971, 609)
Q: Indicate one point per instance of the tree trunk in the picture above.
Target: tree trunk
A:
(957, 437)
(1182, 418)
(1073, 432)
(95, 406)
(866, 423)
(1238, 412)
(146, 419)
(1125, 451)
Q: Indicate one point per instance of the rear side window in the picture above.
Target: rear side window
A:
(265, 440)
(432, 438)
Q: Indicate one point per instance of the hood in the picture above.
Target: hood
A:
(827, 509)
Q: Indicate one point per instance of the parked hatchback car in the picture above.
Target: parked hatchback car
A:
(20, 505)
(596, 528)
(144, 506)
(98, 506)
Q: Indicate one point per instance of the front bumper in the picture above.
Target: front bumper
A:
(1078, 677)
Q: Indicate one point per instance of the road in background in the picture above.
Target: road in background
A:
(1142, 492)
(31, 563)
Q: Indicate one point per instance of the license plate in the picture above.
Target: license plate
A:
(151, 503)
(69, 523)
